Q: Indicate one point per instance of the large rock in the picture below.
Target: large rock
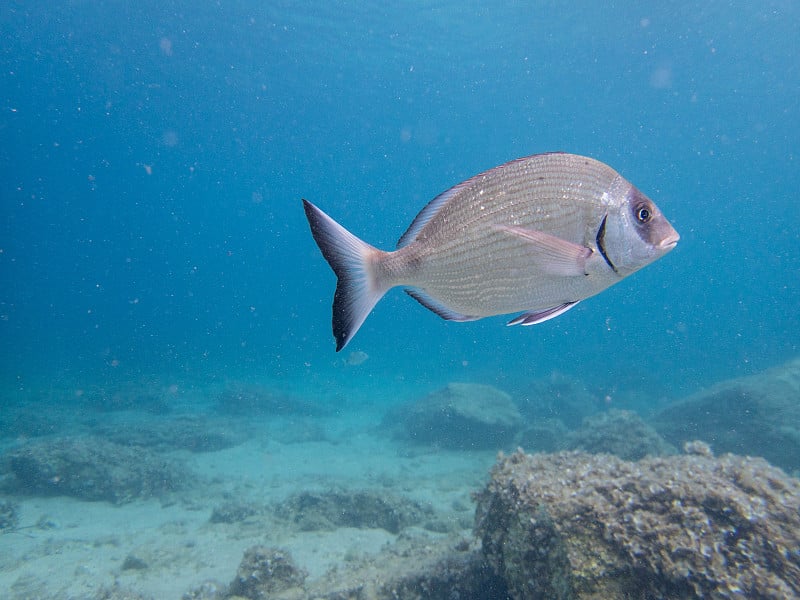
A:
(619, 432)
(579, 526)
(543, 435)
(464, 416)
(757, 416)
(93, 469)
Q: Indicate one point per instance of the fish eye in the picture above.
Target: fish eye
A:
(644, 214)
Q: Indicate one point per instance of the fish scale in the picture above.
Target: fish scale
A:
(538, 234)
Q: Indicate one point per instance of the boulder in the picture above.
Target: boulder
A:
(619, 432)
(92, 468)
(543, 435)
(757, 415)
(463, 416)
(579, 526)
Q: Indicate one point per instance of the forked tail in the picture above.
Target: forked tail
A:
(357, 288)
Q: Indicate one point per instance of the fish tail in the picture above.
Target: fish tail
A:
(358, 287)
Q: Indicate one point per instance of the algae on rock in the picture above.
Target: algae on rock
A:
(578, 526)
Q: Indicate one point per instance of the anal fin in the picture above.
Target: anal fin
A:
(540, 316)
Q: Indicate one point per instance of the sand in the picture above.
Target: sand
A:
(68, 548)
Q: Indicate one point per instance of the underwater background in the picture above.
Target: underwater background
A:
(153, 157)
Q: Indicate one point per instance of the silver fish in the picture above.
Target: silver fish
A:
(538, 234)
(356, 358)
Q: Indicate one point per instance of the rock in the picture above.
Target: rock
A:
(134, 563)
(464, 416)
(543, 435)
(580, 526)
(207, 590)
(117, 592)
(757, 416)
(233, 512)
(466, 576)
(30, 420)
(313, 511)
(9, 516)
(265, 571)
(417, 566)
(93, 469)
(619, 432)
(558, 397)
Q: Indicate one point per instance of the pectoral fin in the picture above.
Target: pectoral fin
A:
(554, 255)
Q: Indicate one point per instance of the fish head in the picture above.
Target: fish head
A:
(636, 233)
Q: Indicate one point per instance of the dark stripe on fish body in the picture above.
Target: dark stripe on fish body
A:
(601, 243)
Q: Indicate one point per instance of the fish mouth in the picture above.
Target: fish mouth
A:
(669, 242)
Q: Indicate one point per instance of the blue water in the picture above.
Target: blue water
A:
(153, 157)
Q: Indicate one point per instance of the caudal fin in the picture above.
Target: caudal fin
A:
(357, 288)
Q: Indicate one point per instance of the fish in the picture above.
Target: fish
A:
(535, 236)
(356, 358)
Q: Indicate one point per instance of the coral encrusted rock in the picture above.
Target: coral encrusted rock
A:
(265, 571)
(578, 526)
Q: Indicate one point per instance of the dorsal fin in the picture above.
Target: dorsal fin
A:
(425, 215)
